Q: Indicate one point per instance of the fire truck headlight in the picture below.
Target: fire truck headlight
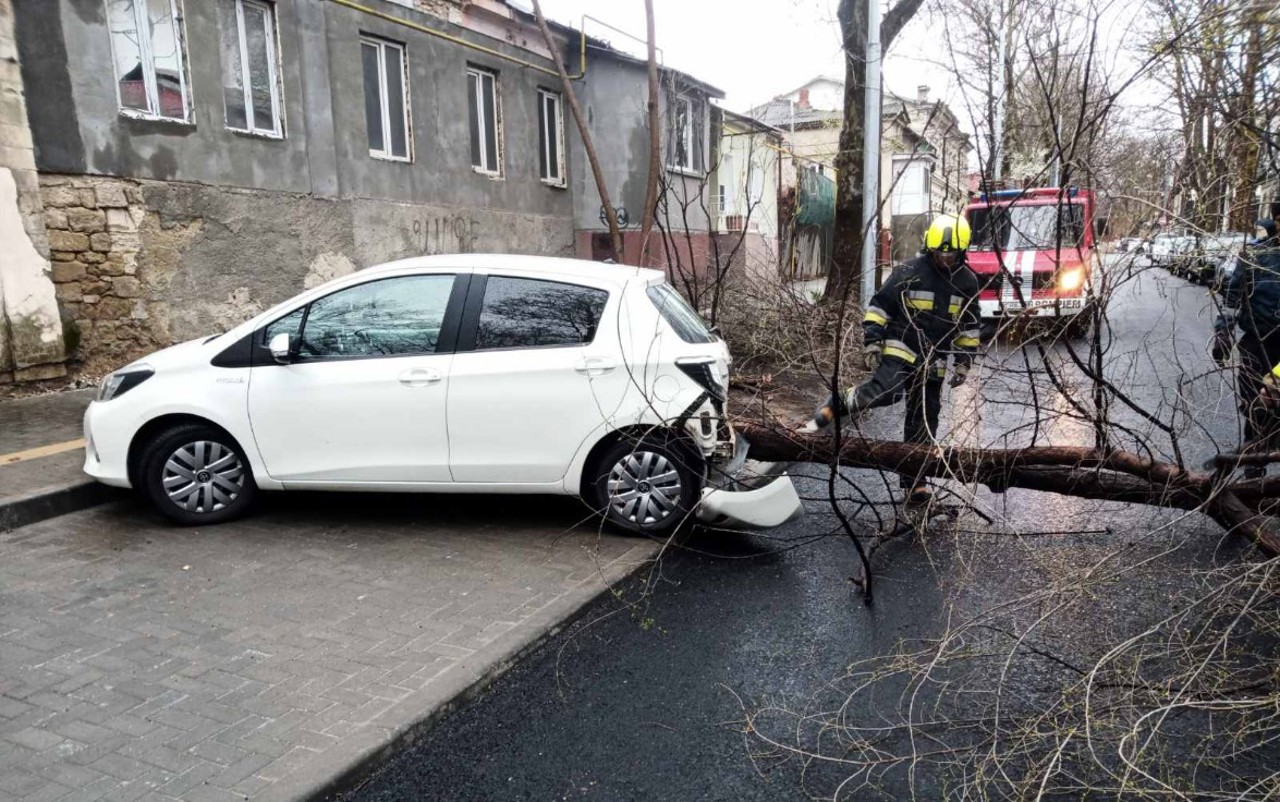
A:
(1070, 280)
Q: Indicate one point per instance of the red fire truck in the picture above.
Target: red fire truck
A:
(1045, 241)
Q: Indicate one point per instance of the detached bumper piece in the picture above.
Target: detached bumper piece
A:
(750, 494)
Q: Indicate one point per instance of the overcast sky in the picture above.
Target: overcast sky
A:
(754, 50)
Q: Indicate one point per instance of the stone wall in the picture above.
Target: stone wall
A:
(140, 265)
(94, 242)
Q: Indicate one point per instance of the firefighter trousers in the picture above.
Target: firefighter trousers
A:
(1258, 355)
(919, 384)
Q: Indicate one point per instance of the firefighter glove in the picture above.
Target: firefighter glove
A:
(1220, 348)
(959, 373)
(872, 353)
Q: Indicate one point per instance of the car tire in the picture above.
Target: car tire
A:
(196, 474)
(647, 487)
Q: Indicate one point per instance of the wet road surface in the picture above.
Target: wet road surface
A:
(711, 675)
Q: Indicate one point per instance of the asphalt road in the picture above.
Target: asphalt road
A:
(728, 670)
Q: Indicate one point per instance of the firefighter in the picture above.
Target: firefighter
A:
(1253, 304)
(927, 309)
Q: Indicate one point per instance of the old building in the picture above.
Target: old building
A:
(201, 161)
(614, 98)
(747, 175)
(923, 162)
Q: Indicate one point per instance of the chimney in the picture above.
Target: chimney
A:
(804, 99)
(922, 93)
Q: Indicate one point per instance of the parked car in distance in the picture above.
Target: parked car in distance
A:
(1183, 256)
(1161, 250)
(1214, 250)
(465, 373)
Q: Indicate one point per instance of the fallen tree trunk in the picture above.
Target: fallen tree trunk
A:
(1069, 470)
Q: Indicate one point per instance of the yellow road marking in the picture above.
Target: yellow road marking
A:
(42, 451)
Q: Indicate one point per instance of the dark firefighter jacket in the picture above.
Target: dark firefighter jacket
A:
(922, 313)
(1254, 287)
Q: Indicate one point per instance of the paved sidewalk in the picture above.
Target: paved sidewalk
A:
(266, 658)
(41, 454)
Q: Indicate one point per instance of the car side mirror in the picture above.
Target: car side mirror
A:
(281, 348)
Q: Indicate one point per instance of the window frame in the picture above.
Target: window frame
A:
(561, 180)
(696, 111)
(384, 104)
(146, 57)
(481, 119)
(268, 7)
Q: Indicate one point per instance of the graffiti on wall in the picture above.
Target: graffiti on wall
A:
(446, 234)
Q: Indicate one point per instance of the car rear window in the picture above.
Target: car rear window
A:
(686, 323)
(531, 313)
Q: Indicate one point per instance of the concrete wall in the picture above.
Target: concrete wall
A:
(31, 335)
(167, 230)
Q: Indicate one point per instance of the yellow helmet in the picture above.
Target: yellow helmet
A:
(947, 232)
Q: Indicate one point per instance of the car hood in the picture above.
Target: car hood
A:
(179, 355)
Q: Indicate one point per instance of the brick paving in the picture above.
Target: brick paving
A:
(263, 658)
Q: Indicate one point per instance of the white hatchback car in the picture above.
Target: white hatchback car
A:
(469, 373)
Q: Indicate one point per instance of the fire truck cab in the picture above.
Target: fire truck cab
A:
(1034, 251)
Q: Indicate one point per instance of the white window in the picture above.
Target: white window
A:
(386, 98)
(486, 128)
(550, 138)
(911, 187)
(150, 58)
(686, 133)
(251, 67)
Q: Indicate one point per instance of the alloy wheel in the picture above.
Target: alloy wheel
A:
(203, 476)
(644, 488)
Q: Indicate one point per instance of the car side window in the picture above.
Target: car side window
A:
(290, 324)
(391, 317)
(531, 313)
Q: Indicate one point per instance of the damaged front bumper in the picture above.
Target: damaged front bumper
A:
(746, 494)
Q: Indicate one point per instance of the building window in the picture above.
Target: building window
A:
(486, 128)
(150, 58)
(686, 135)
(386, 98)
(250, 67)
(911, 187)
(550, 138)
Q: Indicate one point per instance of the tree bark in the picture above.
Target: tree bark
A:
(1068, 470)
(615, 235)
(655, 154)
(847, 239)
(846, 248)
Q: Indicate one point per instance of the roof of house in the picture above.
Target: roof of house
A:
(750, 122)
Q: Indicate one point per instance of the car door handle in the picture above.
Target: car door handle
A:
(419, 377)
(595, 365)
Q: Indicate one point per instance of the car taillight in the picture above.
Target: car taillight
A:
(702, 372)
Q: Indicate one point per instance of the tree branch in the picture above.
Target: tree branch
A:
(895, 20)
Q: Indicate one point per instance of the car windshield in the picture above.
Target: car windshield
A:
(679, 315)
(1021, 227)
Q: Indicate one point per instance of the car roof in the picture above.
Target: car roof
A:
(518, 263)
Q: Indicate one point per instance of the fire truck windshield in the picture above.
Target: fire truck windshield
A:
(1020, 227)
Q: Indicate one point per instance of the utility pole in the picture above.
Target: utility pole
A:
(871, 155)
(1002, 55)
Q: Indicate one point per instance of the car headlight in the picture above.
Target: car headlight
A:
(1070, 280)
(122, 381)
